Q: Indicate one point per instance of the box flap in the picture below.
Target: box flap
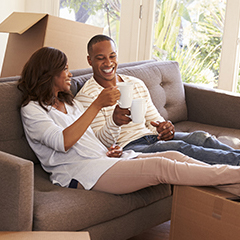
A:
(39, 235)
(204, 213)
(19, 22)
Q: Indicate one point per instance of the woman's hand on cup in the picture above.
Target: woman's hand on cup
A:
(108, 97)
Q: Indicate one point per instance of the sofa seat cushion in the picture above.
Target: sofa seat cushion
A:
(229, 136)
(57, 208)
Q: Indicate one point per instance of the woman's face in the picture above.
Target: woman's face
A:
(62, 83)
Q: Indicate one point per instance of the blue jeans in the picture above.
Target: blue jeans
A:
(199, 145)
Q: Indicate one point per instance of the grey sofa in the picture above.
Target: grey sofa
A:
(30, 202)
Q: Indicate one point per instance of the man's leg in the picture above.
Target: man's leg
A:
(201, 138)
(150, 144)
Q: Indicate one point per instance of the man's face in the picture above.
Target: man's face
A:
(103, 59)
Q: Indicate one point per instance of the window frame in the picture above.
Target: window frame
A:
(229, 64)
(135, 38)
(136, 30)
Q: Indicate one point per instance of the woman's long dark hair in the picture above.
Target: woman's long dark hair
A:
(36, 82)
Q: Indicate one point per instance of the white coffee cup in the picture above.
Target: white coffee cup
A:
(138, 110)
(126, 90)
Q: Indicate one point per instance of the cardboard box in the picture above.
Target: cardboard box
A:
(204, 213)
(44, 235)
(31, 31)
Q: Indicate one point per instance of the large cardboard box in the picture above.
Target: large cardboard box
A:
(44, 235)
(204, 213)
(31, 31)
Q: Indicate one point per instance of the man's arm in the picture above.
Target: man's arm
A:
(154, 121)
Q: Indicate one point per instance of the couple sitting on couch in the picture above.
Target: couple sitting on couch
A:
(58, 129)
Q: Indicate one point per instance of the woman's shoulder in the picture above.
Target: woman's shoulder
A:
(32, 107)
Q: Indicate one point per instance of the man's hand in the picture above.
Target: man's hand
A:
(114, 151)
(121, 116)
(165, 130)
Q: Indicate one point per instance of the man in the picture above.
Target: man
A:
(113, 124)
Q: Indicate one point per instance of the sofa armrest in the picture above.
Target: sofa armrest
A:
(16, 190)
(214, 107)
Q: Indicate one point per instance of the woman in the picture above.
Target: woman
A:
(58, 131)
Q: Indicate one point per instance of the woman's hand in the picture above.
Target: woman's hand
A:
(108, 97)
(114, 151)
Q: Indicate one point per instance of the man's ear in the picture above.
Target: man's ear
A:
(89, 60)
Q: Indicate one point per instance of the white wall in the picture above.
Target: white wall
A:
(42, 6)
(6, 8)
(9, 6)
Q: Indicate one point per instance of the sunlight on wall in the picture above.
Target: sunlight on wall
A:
(6, 8)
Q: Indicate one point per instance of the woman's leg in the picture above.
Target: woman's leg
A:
(171, 167)
(173, 155)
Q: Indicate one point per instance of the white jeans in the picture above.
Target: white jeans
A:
(165, 167)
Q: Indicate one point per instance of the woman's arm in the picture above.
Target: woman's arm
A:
(103, 125)
(73, 133)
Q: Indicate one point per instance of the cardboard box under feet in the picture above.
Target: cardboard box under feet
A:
(31, 31)
(204, 213)
(44, 235)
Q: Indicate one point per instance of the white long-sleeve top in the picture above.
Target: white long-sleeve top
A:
(104, 127)
(86, 161)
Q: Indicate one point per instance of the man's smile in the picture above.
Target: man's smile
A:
(110, 70)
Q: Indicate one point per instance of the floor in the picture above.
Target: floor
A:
(160, 232)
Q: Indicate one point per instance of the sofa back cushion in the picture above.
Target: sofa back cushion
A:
(164, 83)
(162, 79)
(80, 76)
(12, 138)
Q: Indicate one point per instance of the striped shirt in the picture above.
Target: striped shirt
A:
(103, 125)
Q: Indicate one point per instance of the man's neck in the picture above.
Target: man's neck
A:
(110, 83)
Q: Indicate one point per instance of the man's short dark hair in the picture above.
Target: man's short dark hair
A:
(96, 39)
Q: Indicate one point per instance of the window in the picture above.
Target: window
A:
(202, 35)
(101, 13)
(190, 32)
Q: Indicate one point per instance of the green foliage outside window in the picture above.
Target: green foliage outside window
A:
(91, 5)
(84, 9)
(199, 58)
